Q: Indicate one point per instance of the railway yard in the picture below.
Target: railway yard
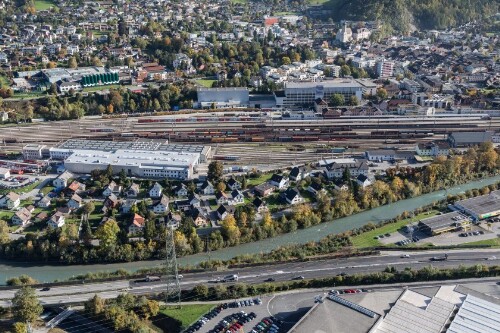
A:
(253, 138)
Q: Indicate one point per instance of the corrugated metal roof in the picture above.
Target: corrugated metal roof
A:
(476, 316)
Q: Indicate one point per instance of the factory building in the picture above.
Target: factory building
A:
(68, 147)
(303, 94)
(223, 97)
(443, 223)
(138, 163)
(481, 207)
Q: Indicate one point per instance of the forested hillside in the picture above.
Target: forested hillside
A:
(400, 15)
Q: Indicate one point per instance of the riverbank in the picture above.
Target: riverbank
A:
(48, 273)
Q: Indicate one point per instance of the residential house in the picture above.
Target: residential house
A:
(207, 188)
(75, 202)
(363, 181)
(155, 191)
(233, 184)
(380, 155)
(292, 196)
(61, 181)
(221, 198)
(236, 198)
(4, 173)
(336, 168)
(161, 207)
(315, 188)
(40, 217)
(127, 205)
(111, 188)
(30, 208)
(22, 217)
(137, 225)
(110, 202)
(44, 202)
(57, 220)
(199, 219)
(264, 190)
(260, 205)
(194, 200)
(173, 220)
(298, 173)
(10, 200)
(181, 190)
(280, 181)
(133, 190)
(224, 211)
(435, 148)
(74, 188)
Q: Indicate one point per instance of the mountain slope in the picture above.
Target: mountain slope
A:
(424, 14)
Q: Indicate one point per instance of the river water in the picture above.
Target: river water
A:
(47, 273)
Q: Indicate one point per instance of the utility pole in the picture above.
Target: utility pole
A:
(173, 291)
(207, 244)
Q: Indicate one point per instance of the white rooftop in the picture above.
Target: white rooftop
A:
(327, 84)
(476, 316)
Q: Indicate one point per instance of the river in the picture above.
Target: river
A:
(47, 273)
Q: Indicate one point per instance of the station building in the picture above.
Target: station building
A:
(302, 94)
(223, 97)
(139, 163)
(481, 207)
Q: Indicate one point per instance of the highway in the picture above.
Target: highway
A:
(80, 292)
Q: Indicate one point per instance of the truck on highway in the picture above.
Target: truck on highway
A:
(230, 278)
(440, 258)
(149, 278)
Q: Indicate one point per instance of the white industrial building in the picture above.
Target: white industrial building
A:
(139, 163)
(305, 93)
(223, 97)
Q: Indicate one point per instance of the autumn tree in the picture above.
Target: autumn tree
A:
(108, 233)
(4, 232)
(95, 305)
(72, 62)
(25, 305)
(215, 171)
(230, 230)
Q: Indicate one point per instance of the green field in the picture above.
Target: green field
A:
(490, 242)
(239, 2)
(207, 83)
(259, 180)
(187, 314)
(4, 82)
(367, 239)
(99, 88)
(43, 4)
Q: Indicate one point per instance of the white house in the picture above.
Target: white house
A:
(10, 200)
(56, 221)
(363, 181)
(207, 188)
(21, 217)
(155, 191)
(279, 181)
(292, 196)
(233, 184)
(236, 198)
(137, 225)
(127, 205)
(436, 148)
(112, 187)
(4, 173)
(44, 202)
(221, 198)
(162, 206)
(224, 211)
(133, 190)
(298, 174)
(62, 180)
(181, 191)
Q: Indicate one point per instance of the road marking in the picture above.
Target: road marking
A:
(269, 302)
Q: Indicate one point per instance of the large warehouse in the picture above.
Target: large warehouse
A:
(139, 163)
(67, 148)
(442, 223)
(301, 94)
(223, 97)
(481, 207)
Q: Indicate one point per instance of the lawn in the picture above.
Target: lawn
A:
(96, 217)
(490, 242)
(43, 4)
(207, 83)
(25, 189)
(4, 82)
(274, 202)
(239, 2)
(259, 180)
(45, 190)
(6, 215)
(187, 314)
(367, 239)
(99, 88)
(317, 2)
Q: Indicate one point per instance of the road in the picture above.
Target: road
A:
(80, 292)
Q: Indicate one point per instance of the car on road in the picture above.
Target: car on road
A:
(405, 256)
(270, 279)
(300, 277)
(45, 289)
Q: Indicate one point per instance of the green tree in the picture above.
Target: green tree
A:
(345, 70)
(150, 308)
(381, 93)
(215, 171)
(353, 100)
(108, 233)
(337, 100)
(221, 186)
(20, 327)
(95, 305)
(25, 305)
(4, 232)
(72, 62)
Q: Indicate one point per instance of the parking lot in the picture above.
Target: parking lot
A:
(249, 315)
